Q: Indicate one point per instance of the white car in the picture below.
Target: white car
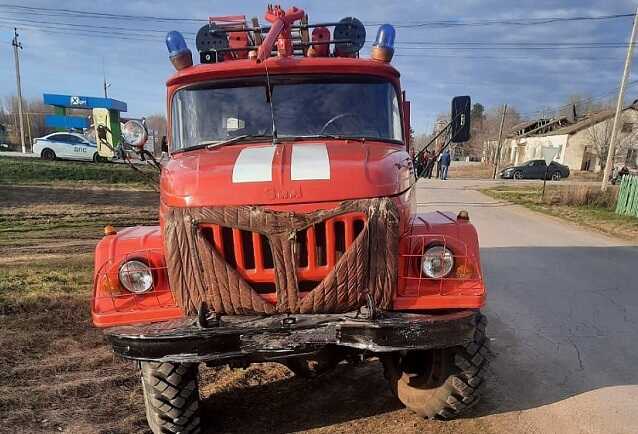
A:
(70, 146)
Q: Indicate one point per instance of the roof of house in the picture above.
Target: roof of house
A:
(537, 127)
(586, 122)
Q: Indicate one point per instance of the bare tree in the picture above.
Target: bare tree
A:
(483, 144)
(156, 125)
(598, 136)
(584, 105)
(34, 112)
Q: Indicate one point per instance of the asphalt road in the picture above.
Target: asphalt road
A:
(563, 315)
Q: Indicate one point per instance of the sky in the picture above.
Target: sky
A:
(494, 64)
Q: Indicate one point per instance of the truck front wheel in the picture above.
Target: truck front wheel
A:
(171, 397)
(440, 383)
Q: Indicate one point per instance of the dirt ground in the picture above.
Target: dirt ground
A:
(57, 374)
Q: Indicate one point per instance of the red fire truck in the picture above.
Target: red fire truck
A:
(288, 229)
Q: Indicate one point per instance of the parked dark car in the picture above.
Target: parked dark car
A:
(536, 169)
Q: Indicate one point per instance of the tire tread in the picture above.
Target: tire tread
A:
(171, 396)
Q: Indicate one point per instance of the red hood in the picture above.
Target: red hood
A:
(291, 172)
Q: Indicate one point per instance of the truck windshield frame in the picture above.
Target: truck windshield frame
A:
(313, 106)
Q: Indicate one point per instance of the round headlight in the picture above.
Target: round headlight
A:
(136, 276)
(437, 262)
(134, 133)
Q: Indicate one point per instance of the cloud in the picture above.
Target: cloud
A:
(524, 78)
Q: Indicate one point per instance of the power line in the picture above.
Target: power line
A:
(122, 33)
(591, 99)
(514, 21)
(125, 34)
(103, 15)
(414, 24)
(87, 26)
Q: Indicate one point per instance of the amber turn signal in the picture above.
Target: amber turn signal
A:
(109, 230)
(464, 271)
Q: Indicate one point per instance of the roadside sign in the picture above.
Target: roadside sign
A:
(549, 153)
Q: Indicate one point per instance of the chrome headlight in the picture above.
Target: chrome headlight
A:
(136, 276)
(134, 133)
(437, 262)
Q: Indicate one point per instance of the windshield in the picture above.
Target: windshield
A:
(337, 106)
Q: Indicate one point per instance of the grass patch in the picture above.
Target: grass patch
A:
(29, 288)
(583, 205)
(35, 170)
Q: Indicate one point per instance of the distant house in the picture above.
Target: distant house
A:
(579, 140)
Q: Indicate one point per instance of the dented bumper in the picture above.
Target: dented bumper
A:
(271, 338)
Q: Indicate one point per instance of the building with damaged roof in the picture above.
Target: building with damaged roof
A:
(580, 141)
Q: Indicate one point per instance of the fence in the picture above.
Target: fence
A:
(628, 196)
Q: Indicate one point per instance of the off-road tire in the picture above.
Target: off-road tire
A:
(171, 397)
(450, 384)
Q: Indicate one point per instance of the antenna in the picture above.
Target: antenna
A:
(272, 109)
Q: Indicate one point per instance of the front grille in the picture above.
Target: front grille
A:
(317, 249)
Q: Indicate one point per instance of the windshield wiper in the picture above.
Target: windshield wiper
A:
(333, 137)
(211, 144)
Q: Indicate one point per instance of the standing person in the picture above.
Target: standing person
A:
(425, 158)
(430, 166)
(438, 166)
(445, 163)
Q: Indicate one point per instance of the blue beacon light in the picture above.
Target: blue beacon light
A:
(181, 57)
(383, 47)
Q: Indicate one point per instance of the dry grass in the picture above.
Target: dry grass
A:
(583, 175)
(57, 373)
(581, 204)
(582, 195)
(470, 171)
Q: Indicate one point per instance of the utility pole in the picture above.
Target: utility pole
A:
(500, 138)
(105, 83)
(621, 96)
(17, 46)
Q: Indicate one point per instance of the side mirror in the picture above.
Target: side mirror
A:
(164, 144)
(134, 134)
(461, 106)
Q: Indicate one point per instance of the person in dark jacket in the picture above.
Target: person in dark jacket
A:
(430, 164)
(445, 163)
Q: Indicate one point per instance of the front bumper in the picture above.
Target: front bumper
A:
(270, 338)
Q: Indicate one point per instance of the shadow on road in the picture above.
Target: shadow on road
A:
(563, 322)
